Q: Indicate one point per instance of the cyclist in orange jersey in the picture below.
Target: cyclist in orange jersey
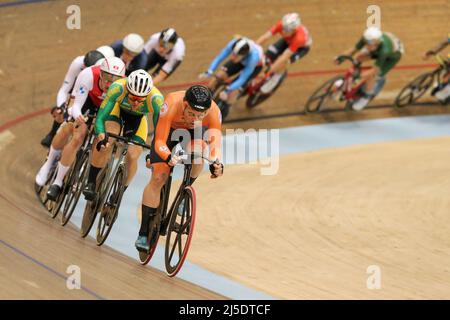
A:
(190, 118)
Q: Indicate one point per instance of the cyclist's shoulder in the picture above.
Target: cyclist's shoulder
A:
(117, 87)
(155, 92)
(155, 98)
(214, 114)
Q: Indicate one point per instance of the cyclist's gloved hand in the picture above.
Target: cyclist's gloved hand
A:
(103, 141)
(216, 169)
(428, 54)
(147, 160)
(339, 59)
(172, 160)
(205, 75)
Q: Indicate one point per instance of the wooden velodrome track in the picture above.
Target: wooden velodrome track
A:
(277, 234)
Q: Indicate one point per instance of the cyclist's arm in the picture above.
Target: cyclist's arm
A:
(214, 134)
(117, 47)
(173, 61)
(152, 43)
(442, 45)
(83, 85)
(69, 80)
(115, 90)
(162, 128)
(262, 39)
(157, 101)
(358, 46)
(222, 55)
(246, 72)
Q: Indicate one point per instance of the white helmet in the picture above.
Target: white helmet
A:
(134, 43)
(139, 83)
(372, 34)
(107, 51)
(290, 22)
(114, 66)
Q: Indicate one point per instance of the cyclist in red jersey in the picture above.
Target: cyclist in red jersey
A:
(294, 44)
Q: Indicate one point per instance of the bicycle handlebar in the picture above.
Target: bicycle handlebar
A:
(194, 155)
(128, 140)
(342, 58)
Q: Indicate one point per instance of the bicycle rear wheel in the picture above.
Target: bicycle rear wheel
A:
(317, 101)
(110, 210)
(180, 231)
(414, 90)
(76, 183)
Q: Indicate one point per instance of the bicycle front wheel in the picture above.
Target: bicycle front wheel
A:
(180, 231)
(414, 90)
(317, 101)
(258, 97)
(110, 209)
(76, 183)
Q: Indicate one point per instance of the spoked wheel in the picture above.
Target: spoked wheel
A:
(180, 231)
(217, 90)
(55, 206)
(258, 97)
(41, 192)
(330, 89)
(154, 230)
(91, 209)
(110, 209)
(75, 184)
(414, 90)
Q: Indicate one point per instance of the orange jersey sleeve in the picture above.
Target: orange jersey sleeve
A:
(214, 123)
(166, 116)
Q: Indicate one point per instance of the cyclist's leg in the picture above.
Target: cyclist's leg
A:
(229, 69)
(153, 59)
(376, 82)
(56, 147)
(300, 53)
(69, 152)
(99, 159)
(151, 194)
(276, 49)
(58, 118)
(138, 129)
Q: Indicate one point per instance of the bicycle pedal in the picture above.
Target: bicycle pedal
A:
(177, 228)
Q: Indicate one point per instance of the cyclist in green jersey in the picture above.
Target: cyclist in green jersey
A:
(383, 47)
(127, 104)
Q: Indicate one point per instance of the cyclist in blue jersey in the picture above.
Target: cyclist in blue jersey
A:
(246, 58)
(131, 51)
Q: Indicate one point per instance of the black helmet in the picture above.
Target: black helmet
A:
(199, 97)
(92, 57)
(168, 37)
(241, 47)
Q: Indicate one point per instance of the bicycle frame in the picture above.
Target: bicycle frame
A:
(164, 216)
(350, 91)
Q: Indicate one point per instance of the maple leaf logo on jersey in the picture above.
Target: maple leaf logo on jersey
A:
(164, 109)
